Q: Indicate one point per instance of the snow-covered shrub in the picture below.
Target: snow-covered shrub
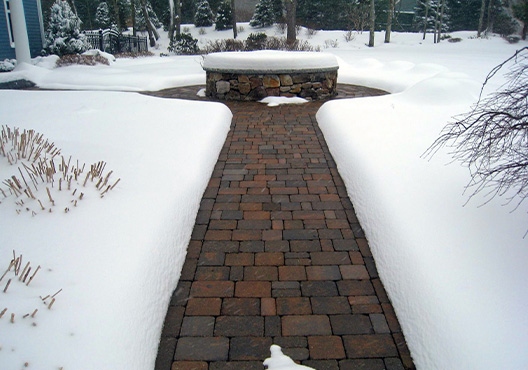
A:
(102, 16)
(202, 31)
(7, 65)
(224, 16)
(109, 57)
(204, 16)
(86, 60)
(141, 25)
(504, 24)
(184, 44)
(264, 15)
(256, 41)
(64, 35)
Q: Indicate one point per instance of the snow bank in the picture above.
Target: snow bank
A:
(117, 259)
(456, 275)
(270, 61)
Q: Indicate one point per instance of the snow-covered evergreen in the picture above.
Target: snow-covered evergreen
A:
(102, 16)
(264, 15)
(204, 15)
(141, 25)
(224, 16)
(433, 10)
(63, 35)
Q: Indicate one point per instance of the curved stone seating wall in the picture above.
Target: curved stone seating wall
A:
(233, 86)
(256, 75)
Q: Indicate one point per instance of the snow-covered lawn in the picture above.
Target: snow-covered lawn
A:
(455, 274)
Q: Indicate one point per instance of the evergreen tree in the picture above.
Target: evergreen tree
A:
(141, 25)
(324, 14)
(428, 13)
(278, 10)
(102, 16)
(64, 35)
(224, 17)
(264, 15)
(464, 14)
(203, 16)
(520, 10)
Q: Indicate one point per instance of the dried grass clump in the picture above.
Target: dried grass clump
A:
(134, 55)
(45, 175)
(87, 60)
(16, 276)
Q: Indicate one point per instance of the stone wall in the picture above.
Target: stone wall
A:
(237, 86)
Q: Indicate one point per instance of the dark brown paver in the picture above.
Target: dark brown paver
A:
(278, 256)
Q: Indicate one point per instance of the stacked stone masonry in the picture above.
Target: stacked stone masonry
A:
(236, 86)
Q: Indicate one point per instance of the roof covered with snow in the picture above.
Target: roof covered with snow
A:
(270, 61)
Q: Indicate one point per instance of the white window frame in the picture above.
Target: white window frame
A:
(7, 9)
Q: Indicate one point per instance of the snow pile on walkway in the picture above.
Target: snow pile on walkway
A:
(279, 361)
(274, 101)
(116, 259)
(456, 275)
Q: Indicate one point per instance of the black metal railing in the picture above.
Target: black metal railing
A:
(111, 41)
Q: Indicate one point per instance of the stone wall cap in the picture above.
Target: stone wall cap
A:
(270, 61)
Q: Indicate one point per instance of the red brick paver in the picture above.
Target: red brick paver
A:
(278, 256)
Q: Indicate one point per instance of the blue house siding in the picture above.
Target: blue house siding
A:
(31, 12)
(33, 27)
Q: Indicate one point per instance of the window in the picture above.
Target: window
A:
(9, 23)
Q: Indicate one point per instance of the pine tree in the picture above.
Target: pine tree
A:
(224, 17)
(203, 16)
(64, 35)
(141, 25)
(264, 15)
(102, 16)
(427, 14)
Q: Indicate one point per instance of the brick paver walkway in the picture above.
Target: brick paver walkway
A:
(278, 256)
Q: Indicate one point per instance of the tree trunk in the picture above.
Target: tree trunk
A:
(133, 11)
(489, 26)
(177, 22)
(233, 14)
(427, 4)
(524, 30)
(372, 23)
(441, 21)
(481, 20)
(437, 22)
(291, 17)
(153, 34)
(171, 21)
(390, 15)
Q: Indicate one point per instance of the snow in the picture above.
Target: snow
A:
(455, 274)
(118, 258)
(279, 361)
(269, 60)
(274, 101)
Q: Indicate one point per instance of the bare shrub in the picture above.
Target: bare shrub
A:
(349, 36)
(310, 32)
(331, 44)
(492, 139)
(134, 55)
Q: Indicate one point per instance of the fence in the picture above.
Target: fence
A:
(113, 42)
